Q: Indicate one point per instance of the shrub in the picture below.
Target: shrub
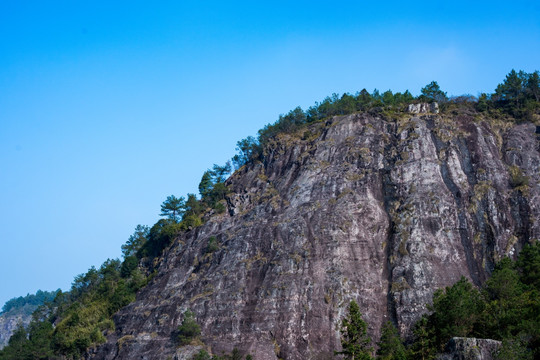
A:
(212, 245)
(189, 330)
(517, 178)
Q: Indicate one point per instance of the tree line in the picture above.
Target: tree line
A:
(29, 302)
(517, 97)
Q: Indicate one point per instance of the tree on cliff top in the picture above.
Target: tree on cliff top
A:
(173, 207)
(433, 92)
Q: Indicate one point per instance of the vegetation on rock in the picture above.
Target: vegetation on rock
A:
(506, 308)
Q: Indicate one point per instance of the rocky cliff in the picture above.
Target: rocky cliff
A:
(8, 325)
(376, 208)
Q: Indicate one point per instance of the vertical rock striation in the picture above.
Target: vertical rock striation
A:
(382, 211)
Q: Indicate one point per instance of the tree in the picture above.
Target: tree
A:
(363, 100)
(136, 241)
(206, 184)
(432, 92)
(249, 149)
(533, 86)
(160, 236)
(202, 355)
(354, 339)
(189, 329)
(528, 265)
(17, 345)
(483, 103)
(388, 98)
(212, 186)
(456, 310)
(514, 349)
(129, 264)
(422, 348)
(40, 337)
(220, 173)
(390, 345)
(173, 207)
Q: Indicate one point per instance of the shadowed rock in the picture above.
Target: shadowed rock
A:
(459, 348)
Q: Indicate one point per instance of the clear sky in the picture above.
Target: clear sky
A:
(108, 107)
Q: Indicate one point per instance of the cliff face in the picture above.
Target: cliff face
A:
(360, 207)
(8, 325)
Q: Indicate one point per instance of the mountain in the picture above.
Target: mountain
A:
(18, 311)
(380, 208)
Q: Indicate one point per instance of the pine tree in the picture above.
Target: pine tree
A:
(173, 207)
(354, 339)
(433, 92)
(390, 345)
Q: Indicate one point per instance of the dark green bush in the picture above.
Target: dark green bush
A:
(189, 330)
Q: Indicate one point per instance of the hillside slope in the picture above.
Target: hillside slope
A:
(377, 209)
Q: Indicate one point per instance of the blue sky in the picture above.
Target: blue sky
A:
(106, 109)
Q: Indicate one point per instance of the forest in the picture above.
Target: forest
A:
(506, 308)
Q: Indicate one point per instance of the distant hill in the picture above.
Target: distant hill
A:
(19, 311)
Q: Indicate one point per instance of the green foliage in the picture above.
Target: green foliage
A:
(528, 266)
(39, 340)
(159, 237)
(517, 178)
(390, 345)
(128, 266)
(212, 245)
(532, 86)
(235, 355)
(484, 102)
(455, 311)
(249, 150)
(193, 206)
(27, 304)
(212, 187)
(17, 345)
(136, 241)
(511, 90)
(172, 208)
(202, 355)
(354, 339)
(433, 92)
(504, 300)
(507, 309)
(81, 316)
(220, 207)
(519, 94)
(423, 347)
(189, 330)
(206, 184)
(514, 349)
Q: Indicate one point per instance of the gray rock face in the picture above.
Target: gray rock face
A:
(470, 349)
(8, 325)
(382, 211)
(423, 108)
